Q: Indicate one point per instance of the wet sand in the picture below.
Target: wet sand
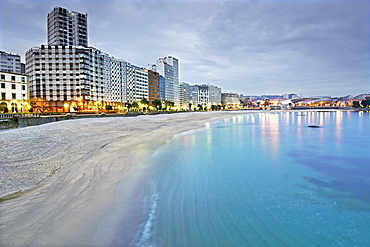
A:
(58, 181)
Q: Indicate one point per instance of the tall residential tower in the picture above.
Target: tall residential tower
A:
(67, 28)
(168, 67)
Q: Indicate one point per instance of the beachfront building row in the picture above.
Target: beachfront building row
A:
(68, 74)
(13, 92)
(86, 78)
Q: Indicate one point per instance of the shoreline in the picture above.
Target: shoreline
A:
(26, 121)
(76, 172)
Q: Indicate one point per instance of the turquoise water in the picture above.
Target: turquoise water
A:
(262, 180)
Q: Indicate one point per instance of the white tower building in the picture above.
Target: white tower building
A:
(168, 67)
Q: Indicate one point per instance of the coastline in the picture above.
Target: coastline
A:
(70, 180)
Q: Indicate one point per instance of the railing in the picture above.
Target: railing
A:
(27, 115)
(6, 116)
(18, 115)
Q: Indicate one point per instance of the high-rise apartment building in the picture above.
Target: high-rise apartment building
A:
(168, 67)
(10, 63)
(153, 85)
(60, 74)
(214, 95)
(67, 28)
(136, 83)
(114, 79)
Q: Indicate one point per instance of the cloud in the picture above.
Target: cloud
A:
(307, 47)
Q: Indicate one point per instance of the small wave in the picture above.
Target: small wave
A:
(145, 236)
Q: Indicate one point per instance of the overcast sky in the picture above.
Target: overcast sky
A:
(310, 47)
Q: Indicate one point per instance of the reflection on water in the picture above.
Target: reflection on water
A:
(266, 180)
(332, 149)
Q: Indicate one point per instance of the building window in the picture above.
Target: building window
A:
(13, 86)
(2, 85)
(2, 77)
(3, 96)
(13, 96)
(23, 87)
(13, 78)
(23, 79)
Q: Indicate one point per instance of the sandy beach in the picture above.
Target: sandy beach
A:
(58, 181)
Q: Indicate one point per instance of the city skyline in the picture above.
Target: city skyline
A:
(245, 47)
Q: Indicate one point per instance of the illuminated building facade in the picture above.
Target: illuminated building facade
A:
(230, 100)
(153, 85)
(205, 95)
(79, 76)
(13, 92)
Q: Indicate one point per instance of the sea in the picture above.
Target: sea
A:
(264, 179)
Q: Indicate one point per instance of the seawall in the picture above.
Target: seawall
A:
(18, 121)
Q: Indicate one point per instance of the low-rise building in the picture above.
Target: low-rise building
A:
(230, 100)
(196, 96)
(13, 92)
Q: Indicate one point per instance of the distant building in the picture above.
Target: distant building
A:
(185, 98)
(193, 96)
(290, 96)
(205, 95)
(168, 67)
(162, 88)
(10, 63)
(214, 93)
(137, 83)
(153, 85)
(271, 97)
(13, 92)
(230, 100)
(67, 28)
(110, 86)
